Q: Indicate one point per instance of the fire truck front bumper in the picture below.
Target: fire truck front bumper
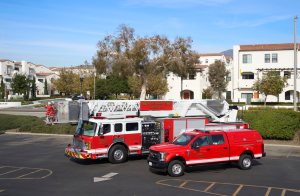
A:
(159, 166)
(75, 153)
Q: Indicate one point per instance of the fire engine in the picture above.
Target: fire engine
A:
(115, 129)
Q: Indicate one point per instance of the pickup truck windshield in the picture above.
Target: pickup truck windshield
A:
(183, 140)
(86, 128)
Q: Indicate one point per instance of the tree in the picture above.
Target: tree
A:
(128, 54)
(101, 88)
(117, 84)
(18, 83)
(270, 84)
(217, 73)
(135, 84)
(46, 87)
(33, 86)
(207, 93)
(65, 82)
(2, 88)
(157, 85)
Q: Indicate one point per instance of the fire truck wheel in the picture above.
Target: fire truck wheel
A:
(245, 162)
(117, 154)
(176, 168)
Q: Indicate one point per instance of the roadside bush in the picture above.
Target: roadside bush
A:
(274, 123)
(8, 121)
(32, 124)
(229, 101)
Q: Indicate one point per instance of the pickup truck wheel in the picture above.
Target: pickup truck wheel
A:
(176, 168)
(245, 162)
(117, 154)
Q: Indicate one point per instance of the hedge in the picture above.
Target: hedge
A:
(273, 123)
(32, 124)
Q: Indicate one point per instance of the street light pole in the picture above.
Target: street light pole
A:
(295, 65)
(81, 80)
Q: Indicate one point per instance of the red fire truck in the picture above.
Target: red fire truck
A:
(108, 129)
(202, 147)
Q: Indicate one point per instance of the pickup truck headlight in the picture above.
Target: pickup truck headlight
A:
(163, 156)
(87, 145)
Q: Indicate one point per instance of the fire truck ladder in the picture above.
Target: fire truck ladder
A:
(218, 110)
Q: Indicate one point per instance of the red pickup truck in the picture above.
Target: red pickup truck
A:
(200, 147)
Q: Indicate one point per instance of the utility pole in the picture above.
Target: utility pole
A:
(295, 66)
(81, 80)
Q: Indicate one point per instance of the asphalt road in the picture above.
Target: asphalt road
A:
(36, 165)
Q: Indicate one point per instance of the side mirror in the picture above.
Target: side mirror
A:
(100, 133)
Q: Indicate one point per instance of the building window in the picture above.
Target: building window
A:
(191, 77)
(267, 58)
(274, 58)
(216, 60)
(228, 77)
(8, 71)
(7, 80)
(247, 76)
(206, 60)
(228, 95)
(17, 69)
(246, 58)
(288, 95)
(41, 80)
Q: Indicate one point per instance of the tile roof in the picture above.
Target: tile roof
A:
(228, 57)
(212, 54)
(44, 74)
(39, 65)
(286, 46)
(18, 63)
(3, 60)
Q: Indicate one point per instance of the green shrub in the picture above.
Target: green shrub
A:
(229, 101)
(8, 121)
(274, 123)
(32, 124)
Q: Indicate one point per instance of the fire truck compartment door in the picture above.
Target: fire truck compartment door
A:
(178, 126)
(197, 124)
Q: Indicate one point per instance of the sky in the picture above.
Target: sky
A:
(65, 33)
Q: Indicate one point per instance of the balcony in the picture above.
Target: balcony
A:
(246, 83)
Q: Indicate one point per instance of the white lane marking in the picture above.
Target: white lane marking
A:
(105, 177)
(289, 154)
(109, 175)
(96, 179)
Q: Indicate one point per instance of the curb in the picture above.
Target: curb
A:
(21, 133)
(283, 145)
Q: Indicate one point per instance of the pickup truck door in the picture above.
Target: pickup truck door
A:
(219, 148)
(197, 154)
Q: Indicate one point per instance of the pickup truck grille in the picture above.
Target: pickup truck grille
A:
(153, 155)
(78, 143)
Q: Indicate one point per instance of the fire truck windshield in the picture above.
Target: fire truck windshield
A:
(183, 140)
(86, 128)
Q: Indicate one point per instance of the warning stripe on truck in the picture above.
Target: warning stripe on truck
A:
(80, 156)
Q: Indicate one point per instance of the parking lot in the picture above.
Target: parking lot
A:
(36, 165)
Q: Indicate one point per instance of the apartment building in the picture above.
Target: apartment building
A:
(251, 61)
(191, 87)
